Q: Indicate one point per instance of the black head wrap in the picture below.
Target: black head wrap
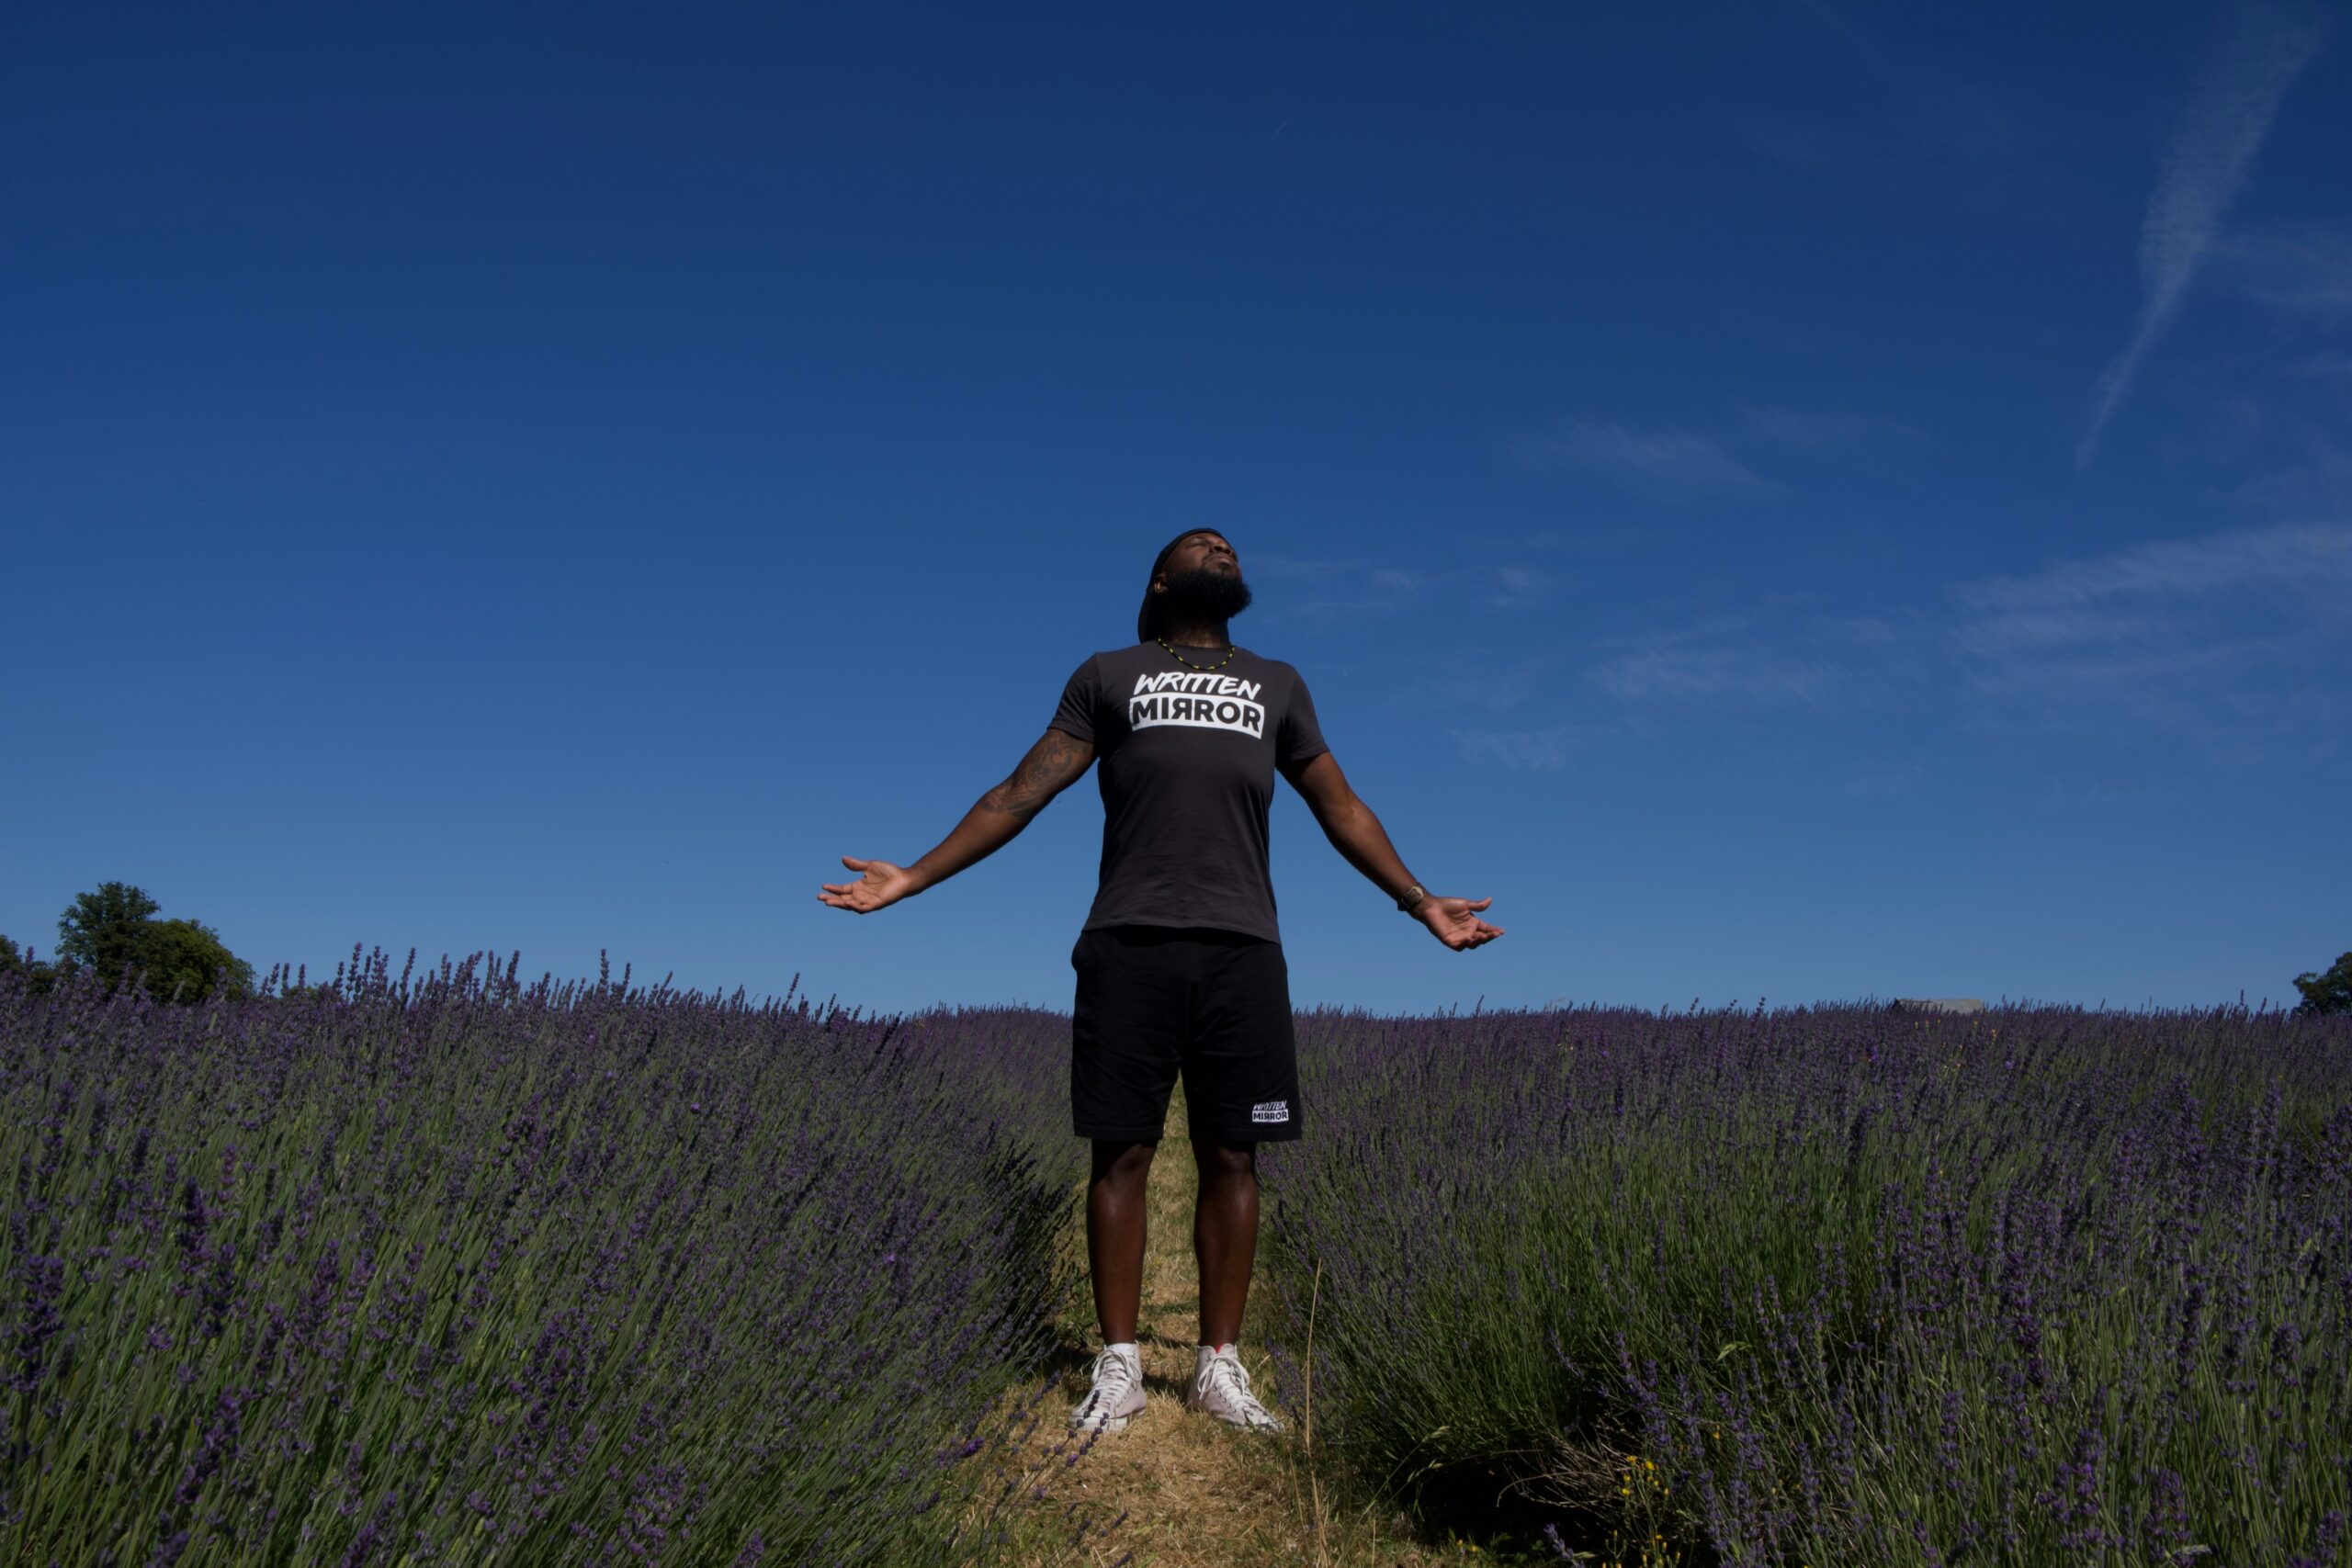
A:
(1147, 618)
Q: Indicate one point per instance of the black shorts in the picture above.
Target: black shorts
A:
(1155, 1000)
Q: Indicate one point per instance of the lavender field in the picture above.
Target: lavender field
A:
(451, 1267)
(455, 1268)
(1835, 1286)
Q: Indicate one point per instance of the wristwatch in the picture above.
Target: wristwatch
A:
(1412, 898)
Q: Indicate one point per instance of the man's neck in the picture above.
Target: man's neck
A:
(1199, 633)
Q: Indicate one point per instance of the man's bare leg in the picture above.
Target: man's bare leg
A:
(1225, 1234)
(1115, 1234)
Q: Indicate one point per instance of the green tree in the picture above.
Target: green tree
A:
(183, 960)
(107, 930)
(114, 932)
(2331, 992)
(40, 976)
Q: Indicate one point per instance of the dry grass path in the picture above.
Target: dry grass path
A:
(1185, 1491)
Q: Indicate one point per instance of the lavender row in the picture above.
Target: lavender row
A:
(459, 1269)
(1838, 1285)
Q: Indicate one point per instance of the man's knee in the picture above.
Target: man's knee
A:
(1121, 1162)
(1225, 1162)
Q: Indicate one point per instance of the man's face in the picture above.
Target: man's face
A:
(1201, 579)
(1204, 549)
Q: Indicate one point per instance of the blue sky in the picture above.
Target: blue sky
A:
(1796, 502)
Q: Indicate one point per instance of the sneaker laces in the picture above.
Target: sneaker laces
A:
(1113, 1375)
(1226, 1374)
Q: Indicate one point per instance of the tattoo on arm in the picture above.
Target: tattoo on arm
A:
(1044, 773)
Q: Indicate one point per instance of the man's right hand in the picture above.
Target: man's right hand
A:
(879, 884)
(1055, 759)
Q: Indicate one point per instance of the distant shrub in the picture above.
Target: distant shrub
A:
(455, 1268)
(19, 966)
(112, 932)
(2327, 993)
(1836, 1286)
(183, 960)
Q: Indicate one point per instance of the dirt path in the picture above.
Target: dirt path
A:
(1176, 1489)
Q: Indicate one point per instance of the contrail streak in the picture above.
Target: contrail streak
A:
(2230, 112)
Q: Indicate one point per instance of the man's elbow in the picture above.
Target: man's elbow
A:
(1343, 817)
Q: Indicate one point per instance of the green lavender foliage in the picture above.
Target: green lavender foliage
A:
(460, 1270)
(1837, 1285)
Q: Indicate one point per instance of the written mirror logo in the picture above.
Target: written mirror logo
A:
(1204, 702)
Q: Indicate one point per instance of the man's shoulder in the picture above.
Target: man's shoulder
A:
(1104, 659)
(1279, 665)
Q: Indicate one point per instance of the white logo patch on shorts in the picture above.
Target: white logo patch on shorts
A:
(1270, 1111)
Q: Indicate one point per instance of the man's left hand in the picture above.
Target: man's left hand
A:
(1455, 922)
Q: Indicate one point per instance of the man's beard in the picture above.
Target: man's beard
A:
(1203, 594)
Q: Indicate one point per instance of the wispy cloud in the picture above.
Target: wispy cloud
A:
(2302, 560)
(1490, 686)
(1677, 465)
(2326, 367)
(1798, 144)
(2224, 638)
(1728, 663)
(1336, 589)
(1944, 112)
(1516, 587)
(1659, 465)
(1879, 778)
(1374, 592)
(1273, 563)
(2230, 112)
(1529, 750)
(2303, 271)
(1822, 430)
(1907, 113)
(2319, 479)
(2164, 631)
(1599, 539)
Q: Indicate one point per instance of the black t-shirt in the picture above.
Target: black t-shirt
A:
(1186, 758)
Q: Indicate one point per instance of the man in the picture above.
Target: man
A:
(1179, 965)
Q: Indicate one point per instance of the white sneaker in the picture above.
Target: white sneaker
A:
(1221, 1387)
(1117, 1394)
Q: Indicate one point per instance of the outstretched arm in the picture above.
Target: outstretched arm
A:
(1357, 834)
(1053, 764)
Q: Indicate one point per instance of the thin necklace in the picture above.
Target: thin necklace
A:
(1189, 664)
